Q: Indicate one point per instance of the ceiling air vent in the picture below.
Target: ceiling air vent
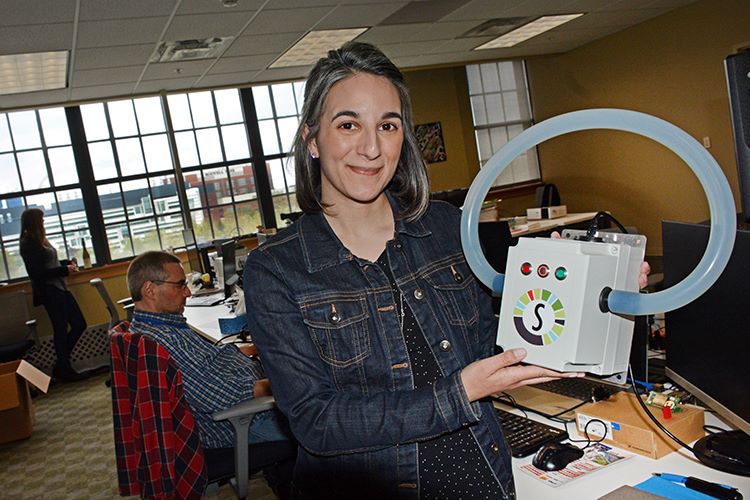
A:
(189, 50)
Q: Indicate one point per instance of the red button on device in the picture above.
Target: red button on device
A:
(525, 268)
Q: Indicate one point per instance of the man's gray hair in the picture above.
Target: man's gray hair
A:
(149, 266)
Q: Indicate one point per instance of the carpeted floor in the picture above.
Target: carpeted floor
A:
(71, 451)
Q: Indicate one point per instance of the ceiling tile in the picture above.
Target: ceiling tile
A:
(356, 16)
(37, 38)
(121, 32)
(17, 12)
(29, 99)
(182, 69)
(108, 57)
(261, 44)
(242, 63)
(89, 77)
(96, 10)
(172, 84)
(206, 25)
(215, 6)
(284, 21)
(102, 92)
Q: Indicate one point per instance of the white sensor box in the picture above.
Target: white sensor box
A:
(550, 302)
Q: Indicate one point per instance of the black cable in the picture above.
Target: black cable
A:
(654, 419)
(594, 227)
(555, 418)
(586, 433)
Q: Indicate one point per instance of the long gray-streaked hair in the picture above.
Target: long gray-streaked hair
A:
(410, 185)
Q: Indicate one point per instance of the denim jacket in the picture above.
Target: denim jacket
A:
(327, 328)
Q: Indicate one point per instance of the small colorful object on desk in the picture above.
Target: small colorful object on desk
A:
(660, 400)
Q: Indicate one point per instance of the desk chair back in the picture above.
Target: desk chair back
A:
(157, 444)
(114, 316)
(18, 332)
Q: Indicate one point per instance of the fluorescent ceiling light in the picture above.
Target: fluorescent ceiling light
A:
(315, 45)
(31, 72)
(530, 30)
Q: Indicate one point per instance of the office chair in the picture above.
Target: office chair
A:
(114, 316)
(148, 397)
(18, 333)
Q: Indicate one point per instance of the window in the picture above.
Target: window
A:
(501, 109)
(134, 174)
(214, 153)
(146, 184)
(38, 170)
(278, 108)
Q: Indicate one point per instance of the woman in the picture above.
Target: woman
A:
(47, 275)
(375, 335)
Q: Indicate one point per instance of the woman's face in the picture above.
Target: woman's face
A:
(359, 141)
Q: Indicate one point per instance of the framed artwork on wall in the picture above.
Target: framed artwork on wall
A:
(430, 141)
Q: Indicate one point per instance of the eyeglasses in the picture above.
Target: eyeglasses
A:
(182, 284)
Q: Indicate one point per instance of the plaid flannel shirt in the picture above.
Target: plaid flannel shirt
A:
(158, 450)
(215, 377)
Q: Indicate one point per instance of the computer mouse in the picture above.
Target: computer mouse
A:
(555, 456)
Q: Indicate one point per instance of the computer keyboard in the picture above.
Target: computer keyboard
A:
(524, 435)
(579, 388)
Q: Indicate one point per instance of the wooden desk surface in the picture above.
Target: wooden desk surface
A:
(538, 226)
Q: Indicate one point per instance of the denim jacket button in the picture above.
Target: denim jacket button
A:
(495, 448)
(445, 346)
(335, 318)
(418, 294)
(397, 244)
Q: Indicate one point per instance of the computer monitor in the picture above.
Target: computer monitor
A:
(707, 344)
(229, 264)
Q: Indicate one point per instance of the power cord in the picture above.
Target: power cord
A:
(594, 227)
(588, 440)
(654, 419)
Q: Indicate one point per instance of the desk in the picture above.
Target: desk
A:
(205, 320)
(542, 225)
(627, 472)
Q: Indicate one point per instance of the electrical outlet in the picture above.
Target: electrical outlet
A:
(707, 142)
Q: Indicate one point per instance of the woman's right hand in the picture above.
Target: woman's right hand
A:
(503, 372)
(72, 267)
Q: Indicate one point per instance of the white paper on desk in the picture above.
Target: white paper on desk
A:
(596, 457)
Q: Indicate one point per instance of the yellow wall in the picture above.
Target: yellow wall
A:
(670, 67)
(442, 95)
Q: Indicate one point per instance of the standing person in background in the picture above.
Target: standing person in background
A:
(47, 275)
(375, 335)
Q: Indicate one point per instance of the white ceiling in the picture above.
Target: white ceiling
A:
(110, 41)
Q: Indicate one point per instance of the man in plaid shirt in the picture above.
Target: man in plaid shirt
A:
(214, 377)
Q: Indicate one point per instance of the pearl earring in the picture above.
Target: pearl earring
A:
(313, 156)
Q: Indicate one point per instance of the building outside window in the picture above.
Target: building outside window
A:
(501, 109)
(134, 173)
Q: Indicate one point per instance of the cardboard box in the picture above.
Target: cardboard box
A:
(547, 212)
(16, 407)
(629, 428)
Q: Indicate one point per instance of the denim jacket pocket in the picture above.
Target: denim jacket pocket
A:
(456, 291)
(338, 327)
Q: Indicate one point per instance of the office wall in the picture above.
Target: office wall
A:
(670, 67)
(442, 95)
